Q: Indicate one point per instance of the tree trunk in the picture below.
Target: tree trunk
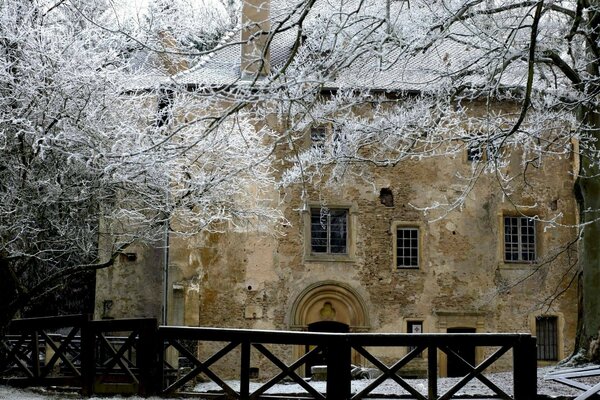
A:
(589, 254)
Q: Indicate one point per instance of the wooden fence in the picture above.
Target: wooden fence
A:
(133, 356)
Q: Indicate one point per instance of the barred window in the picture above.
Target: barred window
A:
(519, 239)
(329, 230)
(407, 247)
(546, 330)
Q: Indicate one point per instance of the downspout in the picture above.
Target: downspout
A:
(164, 117)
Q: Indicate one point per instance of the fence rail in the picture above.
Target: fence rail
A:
(137, 356)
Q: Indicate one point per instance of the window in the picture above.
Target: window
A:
(519, 239)
(407, 247)
(474, 153)
(329, 231)
(414, 327)
(547, 338)
(317, 136)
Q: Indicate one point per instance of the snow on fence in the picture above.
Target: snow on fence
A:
(137, 356)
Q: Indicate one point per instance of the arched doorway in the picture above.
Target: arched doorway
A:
(329, 306)
(323, 326)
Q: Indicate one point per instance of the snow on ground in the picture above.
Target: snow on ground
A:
(389, 387)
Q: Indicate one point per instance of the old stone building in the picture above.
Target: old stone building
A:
(361, 255)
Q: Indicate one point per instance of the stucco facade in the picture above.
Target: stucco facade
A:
(462, 280)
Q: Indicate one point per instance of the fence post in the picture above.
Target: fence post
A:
(35, 354)
(88, 358)
(525, 368)
(339, 362)
(432, 372)
(147, 357)
(245, 370)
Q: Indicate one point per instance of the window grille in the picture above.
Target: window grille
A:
(329, 231)
(547, 338)
(407, 248)
(519, 239)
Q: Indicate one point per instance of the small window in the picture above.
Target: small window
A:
(329, 231)
(407, 247)
(547, 338)
(317, 136)
(474, 153)
(519, 239)
(414, 327)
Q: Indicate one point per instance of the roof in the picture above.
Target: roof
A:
(391, 68)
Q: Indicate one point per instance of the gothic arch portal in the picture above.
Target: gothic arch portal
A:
(329, 301)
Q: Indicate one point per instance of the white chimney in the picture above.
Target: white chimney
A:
(256, 25)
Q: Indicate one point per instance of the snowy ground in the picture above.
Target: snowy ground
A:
(503, 380)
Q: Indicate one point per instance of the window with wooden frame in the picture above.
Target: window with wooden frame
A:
(519, 239)
(329, 230)
(407, 247)
(546, 331)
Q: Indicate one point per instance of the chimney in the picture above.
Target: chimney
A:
(256, 25)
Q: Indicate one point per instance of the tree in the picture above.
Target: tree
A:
(87, 156)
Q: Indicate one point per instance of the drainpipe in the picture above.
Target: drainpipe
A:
(164, 115)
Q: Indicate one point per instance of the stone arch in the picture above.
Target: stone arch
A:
(329, 301)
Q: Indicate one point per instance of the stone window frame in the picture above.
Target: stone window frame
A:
(350, 255)
(560, 338)
(539, 240)
(409, 321)
(421, 236)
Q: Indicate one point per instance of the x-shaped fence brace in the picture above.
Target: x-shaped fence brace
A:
(475, 372)
(20, 354)
(204, 367)
(62, 348)
(391, 372)
(25, 352)
(117, 357)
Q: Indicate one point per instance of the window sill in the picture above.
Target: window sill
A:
(329, 258)
(517, 265)
(408, 269)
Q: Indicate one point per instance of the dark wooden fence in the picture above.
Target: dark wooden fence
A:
(133, 356)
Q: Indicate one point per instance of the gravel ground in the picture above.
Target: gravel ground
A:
(475, 388)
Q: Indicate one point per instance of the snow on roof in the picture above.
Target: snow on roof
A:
(389, 69)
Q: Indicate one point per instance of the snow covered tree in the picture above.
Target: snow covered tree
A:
(88, 153)
(538, 58)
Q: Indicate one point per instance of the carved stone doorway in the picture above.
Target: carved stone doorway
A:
(329, 306)
(323, 326)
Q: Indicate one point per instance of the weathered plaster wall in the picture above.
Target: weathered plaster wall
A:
(256, 280)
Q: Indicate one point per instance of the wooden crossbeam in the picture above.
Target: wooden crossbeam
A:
(476, 373)
(59, 352)
(277, 378)
(117, 356)
(203, 367)
(289, 371)
(389, 372)
(566, 378)
(16, 353)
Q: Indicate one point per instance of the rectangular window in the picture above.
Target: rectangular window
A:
(317, 136)
(547, 338)
(329, 231)
(474, 153)
(407, 247)
(519, 239)
(414, 327)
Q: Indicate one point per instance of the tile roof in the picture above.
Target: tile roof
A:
(394, 71)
